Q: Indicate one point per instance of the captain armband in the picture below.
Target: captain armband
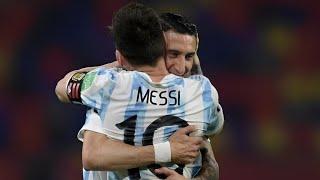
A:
(74, 87)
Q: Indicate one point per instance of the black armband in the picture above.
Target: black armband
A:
(74, 87)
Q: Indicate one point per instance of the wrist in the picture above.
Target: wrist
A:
(144, 155)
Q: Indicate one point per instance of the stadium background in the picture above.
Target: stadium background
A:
(262, 56)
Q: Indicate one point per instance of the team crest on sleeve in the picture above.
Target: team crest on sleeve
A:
(88, 80)
(78, 76)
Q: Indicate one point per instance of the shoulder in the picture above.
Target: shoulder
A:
(198, 77)
(100, 78)
(103, 73)
(206, 85)
(201, 80)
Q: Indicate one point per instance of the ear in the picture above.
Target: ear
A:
(119, 58)
(122, 61)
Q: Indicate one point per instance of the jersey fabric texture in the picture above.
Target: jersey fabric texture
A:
(128, 106)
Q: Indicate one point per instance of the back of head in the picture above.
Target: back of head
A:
(178, 23)
(138, 34)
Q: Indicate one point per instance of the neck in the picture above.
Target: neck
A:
(157, 72)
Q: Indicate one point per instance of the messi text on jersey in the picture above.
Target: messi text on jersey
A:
(171, 97)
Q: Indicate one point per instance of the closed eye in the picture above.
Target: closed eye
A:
(173, 53)
(190, 56)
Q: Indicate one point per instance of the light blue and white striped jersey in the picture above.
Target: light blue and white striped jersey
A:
(128, 106)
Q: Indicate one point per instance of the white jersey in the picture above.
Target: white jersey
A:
(128, 106)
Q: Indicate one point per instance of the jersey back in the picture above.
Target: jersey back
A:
(128, 106)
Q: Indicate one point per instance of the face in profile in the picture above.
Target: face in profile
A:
(180, 52)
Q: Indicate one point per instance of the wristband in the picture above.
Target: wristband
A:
(74, 87)
(162, 152)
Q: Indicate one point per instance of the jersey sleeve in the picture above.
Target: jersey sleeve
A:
(97, 87)
(93, 123)
(216, 117)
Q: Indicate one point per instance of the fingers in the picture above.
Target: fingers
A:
(195, 148)
(194, 140)
(203, 144)
(190, 158)
(187, 130)
(165, 171)
(194, 154)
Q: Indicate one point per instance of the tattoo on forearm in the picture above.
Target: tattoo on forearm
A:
(210, 168)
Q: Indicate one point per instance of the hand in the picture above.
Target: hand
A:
(197, 41)
(171, 174)
(196, 60)
(196, 68)
(184, 149)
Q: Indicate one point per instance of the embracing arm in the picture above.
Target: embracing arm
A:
(61, 87)
(102, 153)
(210, 167)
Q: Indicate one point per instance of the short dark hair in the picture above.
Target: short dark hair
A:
(178, 23)
(138, 34)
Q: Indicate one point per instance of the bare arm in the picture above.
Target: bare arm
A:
(210, 167)
(102, 153)
(61, 87)
(196, 68)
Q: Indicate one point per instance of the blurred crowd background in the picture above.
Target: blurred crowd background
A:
(261, 55)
